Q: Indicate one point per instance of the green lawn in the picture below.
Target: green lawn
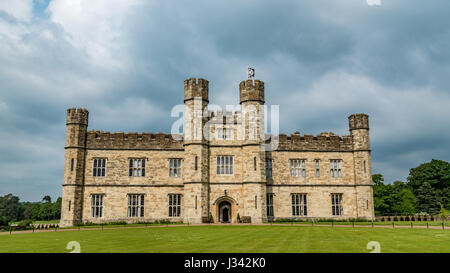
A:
(232, 239)
(396, 223)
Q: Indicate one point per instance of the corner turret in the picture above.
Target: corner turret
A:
(250, 90)
(196, 89)
(358, 121)
(359, 129)
(77, 116)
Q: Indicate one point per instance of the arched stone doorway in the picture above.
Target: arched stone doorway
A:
(224, 212)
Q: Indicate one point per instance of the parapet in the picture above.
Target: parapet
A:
(77, 116)
(227, 118)
(358, 121)
(196, 88)
(323, 142)
(133, 141)
(250, 90)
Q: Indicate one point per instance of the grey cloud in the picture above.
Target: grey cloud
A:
(321, 61)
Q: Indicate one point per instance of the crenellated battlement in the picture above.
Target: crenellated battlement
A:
(358, 121)
(252, 84)
(196, 88)
(120, 140)
(322, 142)
(77, 116)
(250, 90)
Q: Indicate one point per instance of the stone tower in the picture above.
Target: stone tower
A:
(196, 160)
(251, 95)
(74, 163)
(359, 130)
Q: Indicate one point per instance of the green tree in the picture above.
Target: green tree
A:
(444, 197)
(427, 200)
(380, 193)
(26, 207)
(443, 213)
(46, 211)
(406, 202)
(10, 207)
(377, 179)
(57, 208)
(47, 199)
(396, 198)
(3, 221)
(437, 174)
(36, 211)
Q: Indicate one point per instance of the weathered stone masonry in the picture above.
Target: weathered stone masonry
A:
(204, 192)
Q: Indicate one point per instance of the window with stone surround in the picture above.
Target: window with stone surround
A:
(298, 167)
(136, 167)
(335, 168)
(175, 167)
(269, 167)
(97, 205)
(299, 204)
(135, 205)
(71, 164)
(317, 168)
(336, 204)
(269, 203)
(224, 133)
(174, 205)
(224, 165)
(99, 167)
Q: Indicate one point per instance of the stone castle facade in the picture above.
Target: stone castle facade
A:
(222, 169)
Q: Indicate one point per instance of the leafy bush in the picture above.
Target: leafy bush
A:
(87, 224)
(3, 221)
(144, 223)
(283, 220)
(25, 223)
(162, 222)
(119, 223)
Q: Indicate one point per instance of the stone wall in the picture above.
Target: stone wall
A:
(202, 188)
(323, 142)
(115, 202)
(318, 201)
(132, 141)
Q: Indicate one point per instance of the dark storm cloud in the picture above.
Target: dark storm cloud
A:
(126, 61)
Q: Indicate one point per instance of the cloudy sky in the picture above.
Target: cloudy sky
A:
(126, 61)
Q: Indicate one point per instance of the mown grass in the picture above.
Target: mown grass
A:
(387, 223)
(216, 239)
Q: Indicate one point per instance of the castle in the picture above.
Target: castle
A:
(222, 169)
